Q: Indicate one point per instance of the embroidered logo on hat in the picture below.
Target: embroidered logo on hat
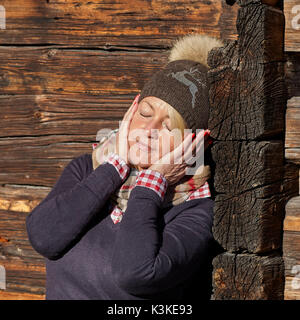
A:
(181, 76)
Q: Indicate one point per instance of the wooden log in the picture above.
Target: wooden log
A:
(243, 166)
(292, 216)
(56, 114)
(291, 249)
(291, 288)
(5, 295)
(248, 98)
(247, 277)
(45, 70)
(132, 24)
(292, 30)
(291, 253)
(41, 134)
(250, 218)
(21, 199)
(135, 24)
(250, 222)
(292, 134)
(246, 2)
(25, 268)
(247, 93)
(292, 73)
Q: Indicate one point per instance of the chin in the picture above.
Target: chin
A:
(144, 165)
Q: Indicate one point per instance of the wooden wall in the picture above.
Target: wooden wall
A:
(291, 227)
(69, 68)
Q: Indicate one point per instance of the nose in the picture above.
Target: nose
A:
(152, 132)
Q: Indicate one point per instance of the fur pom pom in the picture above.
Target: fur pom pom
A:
(194, 47)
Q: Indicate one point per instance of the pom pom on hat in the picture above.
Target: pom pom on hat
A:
(193, 47)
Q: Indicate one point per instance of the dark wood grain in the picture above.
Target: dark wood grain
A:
(109, 24)
(25, 268)
(44, 70)
(247, 120)
(248, 277)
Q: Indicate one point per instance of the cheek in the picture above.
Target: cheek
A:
(135, 124)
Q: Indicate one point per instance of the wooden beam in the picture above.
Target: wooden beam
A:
(45, 70)
(292, 30)
(135, 24)
(25, 268)
(247, 277)
(247, 119)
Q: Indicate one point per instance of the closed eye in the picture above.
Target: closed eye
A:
(148, 116)
(144, 115)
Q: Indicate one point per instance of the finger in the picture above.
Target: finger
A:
(194, 147)
(128, 117)
(133, 107)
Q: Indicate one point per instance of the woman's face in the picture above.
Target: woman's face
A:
(151, 127)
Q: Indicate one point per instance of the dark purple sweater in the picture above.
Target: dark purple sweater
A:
(152, 253)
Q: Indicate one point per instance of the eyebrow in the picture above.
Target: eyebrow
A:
(167, 116)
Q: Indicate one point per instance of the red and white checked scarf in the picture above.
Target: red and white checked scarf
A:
(187, 188)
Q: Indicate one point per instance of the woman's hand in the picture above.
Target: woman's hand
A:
(122, 147)
(173, 164)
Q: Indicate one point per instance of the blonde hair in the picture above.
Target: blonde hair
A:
(177, 122)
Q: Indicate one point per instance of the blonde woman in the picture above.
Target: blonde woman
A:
(127, 221)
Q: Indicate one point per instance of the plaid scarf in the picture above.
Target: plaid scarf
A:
(175, 194)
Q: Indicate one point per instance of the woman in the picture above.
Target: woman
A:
(128, 224)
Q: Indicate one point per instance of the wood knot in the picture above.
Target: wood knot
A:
(3, 239)
(37, 115)
(52, 52)
(219, 278)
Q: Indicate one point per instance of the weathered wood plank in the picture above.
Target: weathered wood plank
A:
(250, 222)
(249, 218)
(291, 250)
(21, 199)
(37, 172)
(292, 133)
(45, 70)
(5, 295)
(25, 268)
(248, 277)
(292, 29)
(292, 216)
(291, 288)
(15, 243)
(292, 73)
(127, 24)
(252, 164)
(59, 114)
(108, 24)
(248, 92)
(248, 99)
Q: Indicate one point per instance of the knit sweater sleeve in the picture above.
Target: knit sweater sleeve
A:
(59, 221)
(149, 257)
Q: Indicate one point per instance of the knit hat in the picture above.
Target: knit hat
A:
(183, 82)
